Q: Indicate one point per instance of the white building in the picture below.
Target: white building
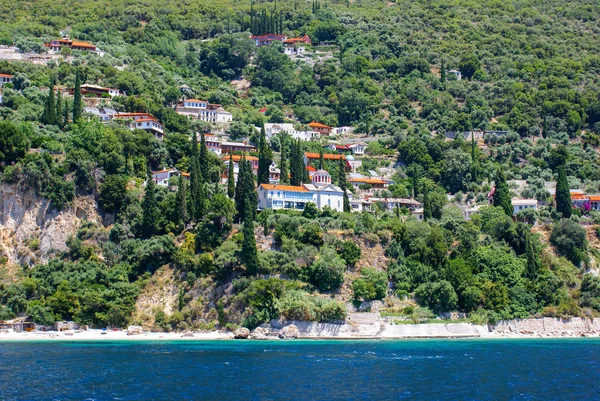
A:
(272, 129)
(521, 204)
(161, 177)
(321, 192)
(418, 213)
(455, 73)
(204, 111)
(358, 149)
(342, 130)
(397, 203)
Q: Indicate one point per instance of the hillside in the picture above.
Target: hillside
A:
(445, 108)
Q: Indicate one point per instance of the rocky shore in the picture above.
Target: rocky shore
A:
(520, 328)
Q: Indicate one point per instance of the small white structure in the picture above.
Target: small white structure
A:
(470, 211)
(5, 78)
(520, 204)
(342, 130)
(202, 110)
(397, 203)
(213, 143)
(455, 73)
(358, 149)
(161, 177)
(272, 129)
(418, 213)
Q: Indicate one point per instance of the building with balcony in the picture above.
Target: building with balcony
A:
(204, 111)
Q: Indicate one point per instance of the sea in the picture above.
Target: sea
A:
(499, 369)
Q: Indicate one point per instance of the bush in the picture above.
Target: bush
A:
(570, 240)
(439, 296)
(327, 272)
(372, 285)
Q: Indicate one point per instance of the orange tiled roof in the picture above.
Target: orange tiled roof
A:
(315, 124)
(595, 198)
(367, 180)
(278, 187)
(326, 156)
(6, 76)
(237, 158)
(82, 44)
(577, 195)
(310, 168)
(195, 100)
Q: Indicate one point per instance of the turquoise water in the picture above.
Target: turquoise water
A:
(302, 370)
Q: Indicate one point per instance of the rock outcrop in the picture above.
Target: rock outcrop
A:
(32, 230)
(134, 330)
(241, 333)
(289, 332)
(259, 333)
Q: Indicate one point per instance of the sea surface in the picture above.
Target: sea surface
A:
(545, 369)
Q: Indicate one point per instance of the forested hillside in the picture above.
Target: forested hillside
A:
(530, 84)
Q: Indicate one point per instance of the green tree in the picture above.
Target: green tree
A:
(265, 158)
(283, 163)
(502, 193)
(49, 115)
(77, 103)
(249, 253)
(438, 296)
(563, 194)
(344, 187)
(66, 114)
(468, 65)
(13, 143)
(321, 159)
(443, 74)
(113, 192)
(231, 178)
(570, 240)
(203, 163)
(58, 119)
(150, 210)
(181, 198)
(534, 264)
(327, 272)
(194, 179)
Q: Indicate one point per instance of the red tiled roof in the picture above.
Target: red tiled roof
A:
(315, 124)
(237, 158)
(278, 187)
(6, 76)
(326, 156)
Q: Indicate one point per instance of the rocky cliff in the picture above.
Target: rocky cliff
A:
(32, 229)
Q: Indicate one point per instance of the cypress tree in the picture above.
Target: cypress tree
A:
(534, 263)
(283, 164)
(250, 194)
(150, 210)
(344, 188)
(265, 158)
(230, 178)
(502, 193)
(203, 159)
(427, 207)
(321, 159)
(563, 195)
(194, 181)
(66, 112)
(239, 189)
(77, 98)
(249, 253)
(49, 114)
(297, 170)
(202, 201)
(181, 200)
(443, 72)
(475, 168)
(58, 116)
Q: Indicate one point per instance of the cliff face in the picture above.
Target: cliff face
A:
(32, 229)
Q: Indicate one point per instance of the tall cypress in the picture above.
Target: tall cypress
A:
(66, 113)
(49, 114)
(203, 159)
(443, 72)
(250, 193)
(194, 181)
(265, 158)
(297, 176)
(475, 168)
(249, 253)
(321, 159)
(77, 103)
(427, 207)
(181, 200)
(534, 263)
(563, 195)
(502, 193)
(58, 115)
(344, 188)
(150, 210)
(230, 178)
(239, 196)
(283, 163)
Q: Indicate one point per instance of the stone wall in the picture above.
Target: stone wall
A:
(548, 326)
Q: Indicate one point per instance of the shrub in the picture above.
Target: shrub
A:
(327, 272)
(439, 296)
(372, 285)
(570, 240)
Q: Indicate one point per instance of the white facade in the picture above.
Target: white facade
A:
(204, 111)
(321, 192)
(272, 129)
(418, 213)
(161, 178)
(341, 130)
(456, 74)
(358, 149)
(294, 50)
(521, 204)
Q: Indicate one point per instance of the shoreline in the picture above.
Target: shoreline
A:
(95, 335)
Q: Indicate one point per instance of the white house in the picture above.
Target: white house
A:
(320, 191)
(272, 129)
(202, 110)
(358, 149)
(342, 130)
(521, 204)
(143, 121)
(161, 177)
(5, 78)
(393, 203)
(418, 213)
(455, 73)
